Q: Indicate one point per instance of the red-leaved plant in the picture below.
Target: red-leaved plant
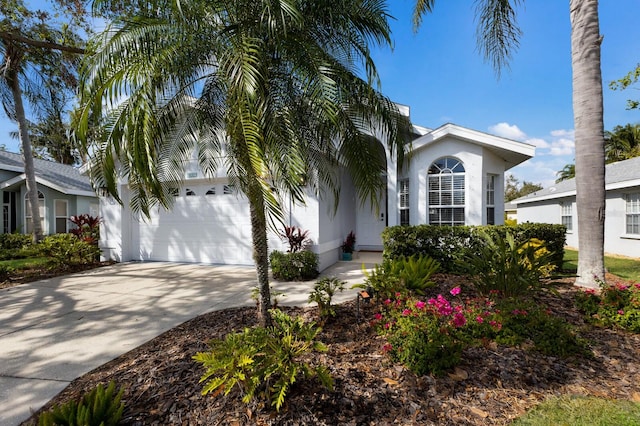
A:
(87, 228)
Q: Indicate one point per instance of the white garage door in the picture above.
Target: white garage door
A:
(208, 223)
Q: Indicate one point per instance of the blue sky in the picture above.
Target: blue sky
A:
(441, 76)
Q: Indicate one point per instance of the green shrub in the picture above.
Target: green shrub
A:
(428, 336)
(380, 282)
(323, 292)
(14, 241)
(65, 250)
(414, 272)
(617, 305)
(449, 244)
(263, 362)
(505, 267)
(302, 265)
(100, 407)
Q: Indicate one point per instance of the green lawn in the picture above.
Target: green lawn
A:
(30, 262)
(629, 269)
(582, 411)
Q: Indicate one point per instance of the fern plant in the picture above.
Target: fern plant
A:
(100, 407)
(263, 362)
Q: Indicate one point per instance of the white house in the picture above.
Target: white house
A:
(62, 192)
(453, 175)
(557, 204)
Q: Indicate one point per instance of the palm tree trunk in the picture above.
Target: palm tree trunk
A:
(589, 128)
(260, 252)
(27, 155)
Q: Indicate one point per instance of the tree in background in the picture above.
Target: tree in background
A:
(622, 143)
(567, 172)
(38, 51)
(625, 82)
(498, 35)
(513, 189)
(268, 90)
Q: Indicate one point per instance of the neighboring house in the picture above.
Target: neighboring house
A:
(511, 211)
(557, 204)
(62, 192)
(453, 176)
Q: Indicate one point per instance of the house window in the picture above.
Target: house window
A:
(633, 213)
(190, 192)
(491, 199)
(6, 212)
(211, 191)
(567, 215)
(61, 208)
(446, 192)
(404, 202)
(27, 215)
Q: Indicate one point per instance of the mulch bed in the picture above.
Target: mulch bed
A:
(492, 386)
(27, 275)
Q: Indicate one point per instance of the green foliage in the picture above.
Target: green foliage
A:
(14, 241)
(414, 272)
(507, 268)
(381, 282)
(582, 411)
(323, 292)
(448, 244)
(302, 265)
(65, 250)
(100, 407)
(429, 336)
(263, 362)
(20, 253)
(87, 228)
(617, 305)
(275, 296)
(513, 189)
(626, 81)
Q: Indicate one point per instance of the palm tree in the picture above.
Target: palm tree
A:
(567, 172)
(34, 54)
(622, 143)
(266, 89)
(498, 35)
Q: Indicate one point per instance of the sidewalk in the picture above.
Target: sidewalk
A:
(55, 330)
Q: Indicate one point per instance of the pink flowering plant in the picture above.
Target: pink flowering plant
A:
(429, 335)
(617, 304)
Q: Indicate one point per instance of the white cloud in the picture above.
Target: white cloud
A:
(563, 133)
(508, 131)
(562, 146)
(538, 142)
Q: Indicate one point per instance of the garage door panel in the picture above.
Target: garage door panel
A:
(208, 229)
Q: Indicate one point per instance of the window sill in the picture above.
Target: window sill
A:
(630, 236)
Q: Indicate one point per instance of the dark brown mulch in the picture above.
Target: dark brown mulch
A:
(493, 385)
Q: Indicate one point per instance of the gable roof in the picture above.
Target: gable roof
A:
(618, 175)
(61, 177)
(512, 152)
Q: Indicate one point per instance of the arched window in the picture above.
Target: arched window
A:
(446, 192)
(27, 213)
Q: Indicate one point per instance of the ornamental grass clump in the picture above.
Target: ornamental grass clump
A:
(616, 305)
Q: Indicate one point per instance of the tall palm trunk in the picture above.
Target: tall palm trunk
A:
(260, 251)
(14, 57)
(589, 127)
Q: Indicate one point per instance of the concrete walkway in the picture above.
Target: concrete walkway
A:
(55, 330)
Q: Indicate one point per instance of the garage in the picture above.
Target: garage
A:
(208, 223)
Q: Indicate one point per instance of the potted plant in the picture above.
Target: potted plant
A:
(348, 246)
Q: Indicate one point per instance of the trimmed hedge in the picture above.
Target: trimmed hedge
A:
(301, 265)
(449, 244)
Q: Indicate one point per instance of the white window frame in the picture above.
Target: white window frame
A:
(446, 192)
(43, 213)
(491, 199)
(632, 214)
(56, 216)
(566, 215)
(403, 202)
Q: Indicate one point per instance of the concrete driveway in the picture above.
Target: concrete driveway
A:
(55, 330)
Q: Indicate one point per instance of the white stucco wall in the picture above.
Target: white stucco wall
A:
(616, 239)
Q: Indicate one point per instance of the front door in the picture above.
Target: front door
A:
(370, 224)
